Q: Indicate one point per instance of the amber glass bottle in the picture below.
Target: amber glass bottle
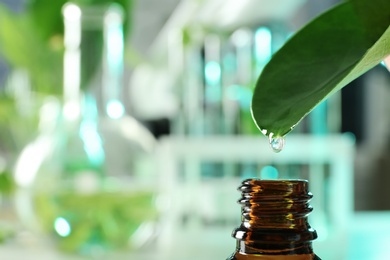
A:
(274, 221)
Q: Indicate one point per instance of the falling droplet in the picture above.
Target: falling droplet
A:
(276, 143)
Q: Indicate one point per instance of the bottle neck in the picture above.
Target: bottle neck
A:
(275, 218)
(113, 64)
(93, 58)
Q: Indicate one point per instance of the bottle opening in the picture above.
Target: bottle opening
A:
(274, 217)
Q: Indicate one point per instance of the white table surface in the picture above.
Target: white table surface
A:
(369, 240)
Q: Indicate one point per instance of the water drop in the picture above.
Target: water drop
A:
(276, 143)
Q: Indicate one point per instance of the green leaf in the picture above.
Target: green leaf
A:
(22, 48)
(7, 185)
(323, 57)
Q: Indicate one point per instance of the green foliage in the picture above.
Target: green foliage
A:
(323, 57)
(23, 48)
(47, 18)
(15, 129)
(33, 40)
(106, 219)
(7, 184)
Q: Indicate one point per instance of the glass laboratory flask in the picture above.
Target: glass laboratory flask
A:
(274, 221)
(88, 179)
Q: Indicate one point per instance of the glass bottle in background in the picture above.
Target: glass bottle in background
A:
(274, 221)
(212, 85)
(242, 40)
(91, 181)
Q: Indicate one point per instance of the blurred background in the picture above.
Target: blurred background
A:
(125, 130)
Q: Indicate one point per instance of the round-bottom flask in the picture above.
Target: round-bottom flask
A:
(88, 179)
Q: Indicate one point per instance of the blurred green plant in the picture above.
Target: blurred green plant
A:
(23, 48)
(7, 188)
(107, 220)
(15, 129)
(7, 184)
(328, 53)
(32, 40)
